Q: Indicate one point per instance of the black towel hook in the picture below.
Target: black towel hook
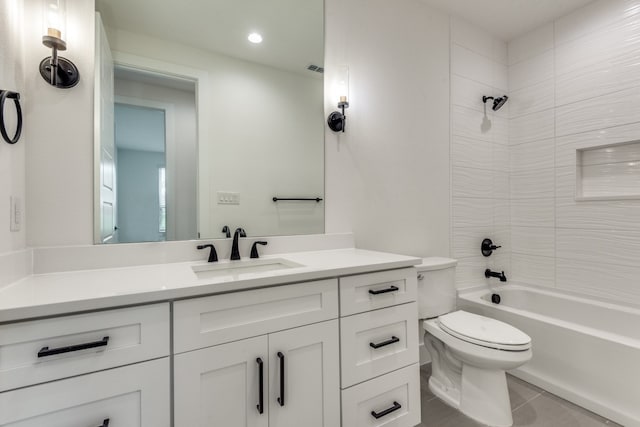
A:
(4, 94)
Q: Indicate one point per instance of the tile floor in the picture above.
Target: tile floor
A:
(531, 406)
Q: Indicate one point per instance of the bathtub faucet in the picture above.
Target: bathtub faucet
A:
(488, 273)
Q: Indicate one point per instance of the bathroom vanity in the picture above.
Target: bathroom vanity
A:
(324, 338)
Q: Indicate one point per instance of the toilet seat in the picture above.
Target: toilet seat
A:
(483, 331)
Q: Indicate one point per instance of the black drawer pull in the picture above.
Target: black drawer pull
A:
(281, 398)
(44, 351)
(105, 423)
(393, 340)
(260, 405)
(384, 291)
(395, 407)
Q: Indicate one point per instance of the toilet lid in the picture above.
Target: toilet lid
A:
(484, 331)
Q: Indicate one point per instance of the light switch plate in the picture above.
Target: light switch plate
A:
(228, 198)
(16, 213)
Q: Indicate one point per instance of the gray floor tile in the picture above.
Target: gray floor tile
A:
(437, 413)
(520, 392)
(547, 410)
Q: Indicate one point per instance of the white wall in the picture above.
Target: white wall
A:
(479, 153)
(387, 177)
(575, 83)
(12, 157)
(59, 124)
(265, 139)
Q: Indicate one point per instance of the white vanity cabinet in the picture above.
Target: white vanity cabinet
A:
(380, 378)
(286, 376)
(283, 379)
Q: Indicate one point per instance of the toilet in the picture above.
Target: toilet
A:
(469, 353)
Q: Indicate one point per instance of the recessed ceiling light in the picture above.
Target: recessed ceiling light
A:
(255, 38)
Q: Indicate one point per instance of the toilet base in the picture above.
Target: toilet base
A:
(485, 396)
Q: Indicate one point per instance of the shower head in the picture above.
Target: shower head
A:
(497, 102)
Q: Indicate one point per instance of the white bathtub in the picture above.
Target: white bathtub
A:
(585, 351)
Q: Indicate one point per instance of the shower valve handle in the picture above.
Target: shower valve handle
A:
(488, 247)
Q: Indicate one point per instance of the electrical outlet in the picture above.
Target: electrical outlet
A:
(228, 198)
(15, 214)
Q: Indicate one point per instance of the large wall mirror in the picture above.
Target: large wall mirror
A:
(198, 127)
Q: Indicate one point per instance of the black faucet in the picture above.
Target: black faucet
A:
(226, 231)
(213, 255)
(488, 273)
(254, 248)
(235, 253)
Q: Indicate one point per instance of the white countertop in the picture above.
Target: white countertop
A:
(66, 292)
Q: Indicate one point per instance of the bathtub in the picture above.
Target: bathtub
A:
(585, 351)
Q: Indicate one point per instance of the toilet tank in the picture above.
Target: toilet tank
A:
(436, 287)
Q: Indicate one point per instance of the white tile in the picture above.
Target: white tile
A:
(469, 182)
(500, 185)
(600, 63)
(620, 153)
(500, 130)
(610, 110)
(500, 51)
(593, 17)
(500, 261)
(501, 213)
(534, 270)
(539, 241)
(467, 241)
(501, 157)
(472, 153)
(533, 183)
(466, 63)
(468, 93)
(531, 71)
(471, 37)
(500, 77)
(532, 155)
(599, 246)
(566, 182)
(471, 124)
(613, 179)
(598, 279)
(531, 44)
(532, 99)
(566, 146)
(598, 215)
(472, 213)
(470, 272)
(501, 236)
(533, 212)
(532, 127)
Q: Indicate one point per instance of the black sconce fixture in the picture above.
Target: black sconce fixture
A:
(56, 70)
(337, 120)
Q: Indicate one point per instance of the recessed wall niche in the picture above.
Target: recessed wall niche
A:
(608, 172)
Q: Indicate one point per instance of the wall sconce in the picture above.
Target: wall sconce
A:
(56, 70)
(337, 119)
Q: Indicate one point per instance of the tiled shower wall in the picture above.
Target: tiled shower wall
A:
(479, 152)
(575, 83)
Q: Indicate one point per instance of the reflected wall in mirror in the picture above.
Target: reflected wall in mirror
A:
(198, 128)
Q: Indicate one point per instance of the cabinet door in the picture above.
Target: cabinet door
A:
(132, 396)
(304, 380)
(220, 386)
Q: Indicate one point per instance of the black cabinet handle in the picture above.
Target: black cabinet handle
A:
(395, 407)
(385, 343)
(281, 398)
(384, 291)
(105, 423)
(260, 405)
(45, 351)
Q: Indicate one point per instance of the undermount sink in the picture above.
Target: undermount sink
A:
(236, 268)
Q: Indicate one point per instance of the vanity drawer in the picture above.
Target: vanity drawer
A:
(394, 397)
(203, 322)
(371, 291)
(44, 350)
(131, 396)
(378, 342)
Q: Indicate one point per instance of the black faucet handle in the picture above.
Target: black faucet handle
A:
(254, 248)
(227, 231)
(488, 247)
(213, 255)
(241, 232)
